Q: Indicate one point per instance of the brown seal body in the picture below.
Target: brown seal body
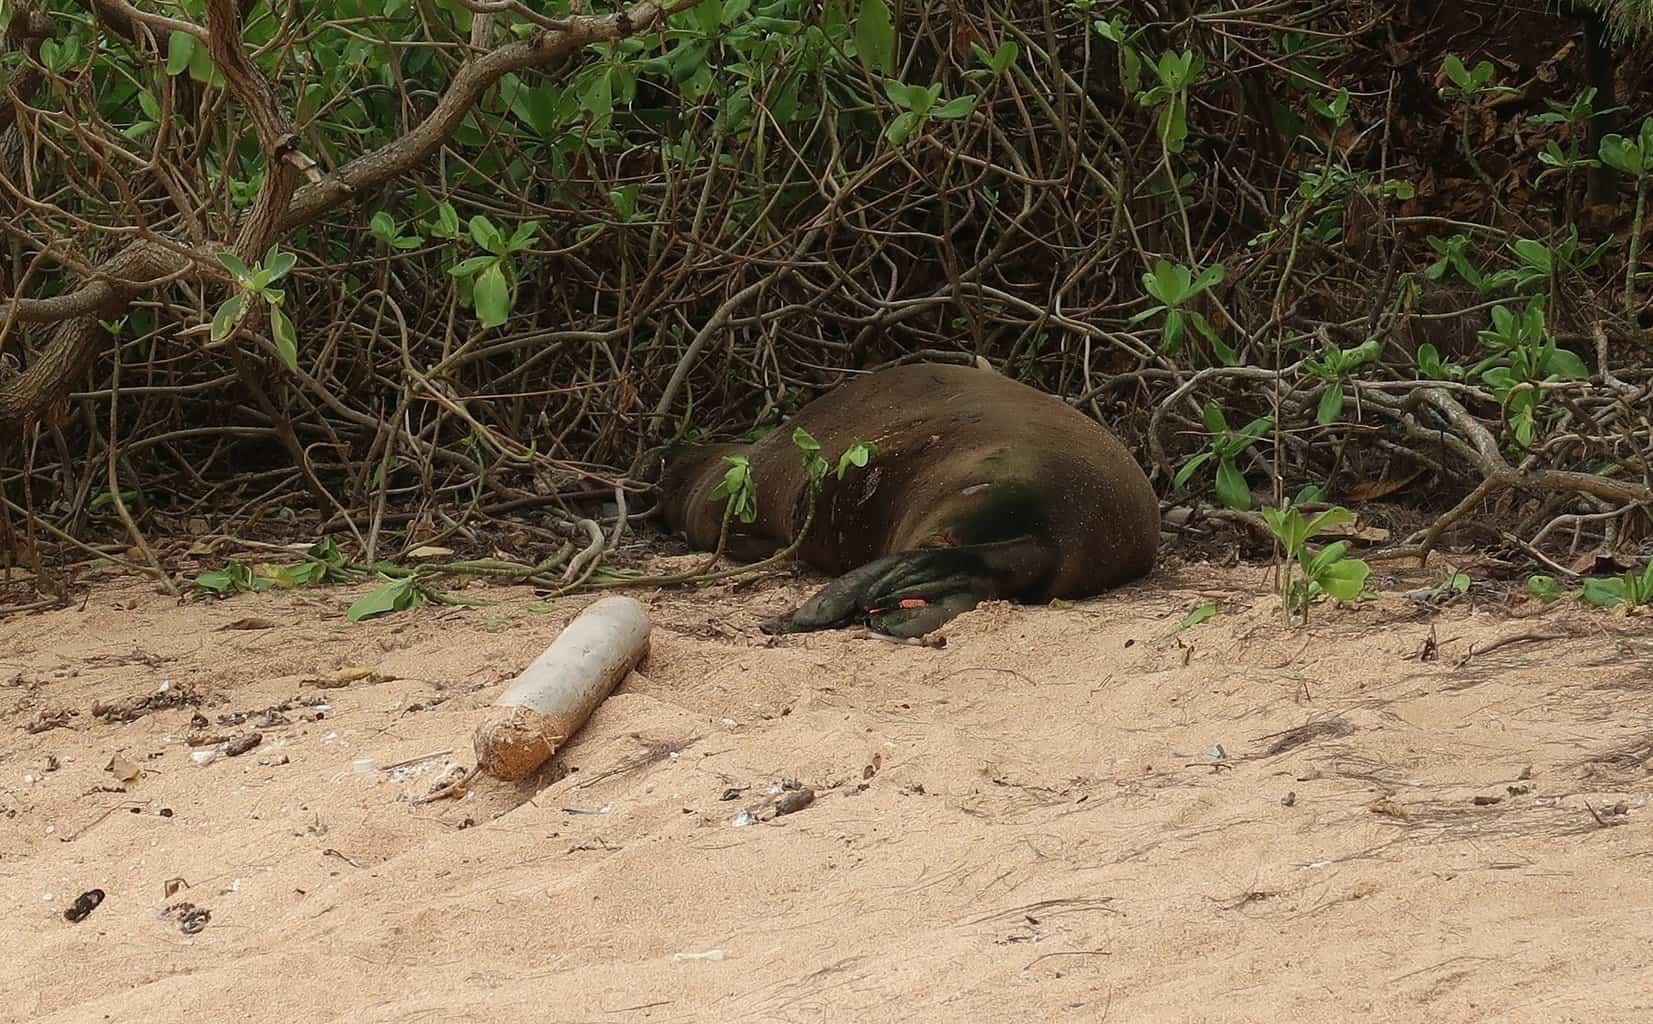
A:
(979, 488)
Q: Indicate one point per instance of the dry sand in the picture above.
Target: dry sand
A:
(1031, 824)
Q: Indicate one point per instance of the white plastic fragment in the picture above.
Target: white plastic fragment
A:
(552, 698)
(605, 809)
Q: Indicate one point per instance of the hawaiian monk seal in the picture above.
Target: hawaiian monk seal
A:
(979, 488)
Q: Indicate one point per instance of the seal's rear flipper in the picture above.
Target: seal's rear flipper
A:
(915, 592)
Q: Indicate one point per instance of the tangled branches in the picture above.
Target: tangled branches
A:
(511, 287)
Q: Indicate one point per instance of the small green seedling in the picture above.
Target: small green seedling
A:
(857, 454)
(1469, 83)
(1325, 572)
(919, 106)
(1433, 366)
(445, 224)
(1115, 31)
(1335, 367)
(1524, 354)
(1453, 253)
(738, 488)
(1537, 263)
(258, 283)
(994, 64)
(816, 466)
(1226, 446)
(1469, 86)
(1175, 73)
(1173, 286)
(1635, 158)
(492, 278)
(1335, 110)
(1454, 584)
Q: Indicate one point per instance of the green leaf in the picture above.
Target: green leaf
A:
(1187, 469)
(1198, 615)
(1331, 405)
(232, 263)
(1130, 69)
(598, 97)
(1215, 422)
(1620, 154)
(901, 129)
(396, 596)
(1604, 593)
(523, 236)
(855, 455)
(279, 264)
(1174, 281)
(1288, 528)
(217, 581)
(1344, 579)
(485, 235)
(875, 36)
(1545, 588)
(897, 92)
(446, 224)
(708, 14)
(180, 47)
(1332, 517)
(286, 339)
(1173, 124)
(804, 441)
(493, 297)
(1325, 557)
(1172, 332)
(736, 485)
(201, 68)
(1231, 489)
(1456, 72)
(228, 315)
(1566, 364)
(955, 108)
(467, 267)
(1254, 431)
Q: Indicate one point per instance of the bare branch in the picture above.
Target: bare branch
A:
(277, 209)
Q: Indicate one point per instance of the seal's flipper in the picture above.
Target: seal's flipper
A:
(915, 592)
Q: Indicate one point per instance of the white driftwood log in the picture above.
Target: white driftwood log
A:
(552, 698)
